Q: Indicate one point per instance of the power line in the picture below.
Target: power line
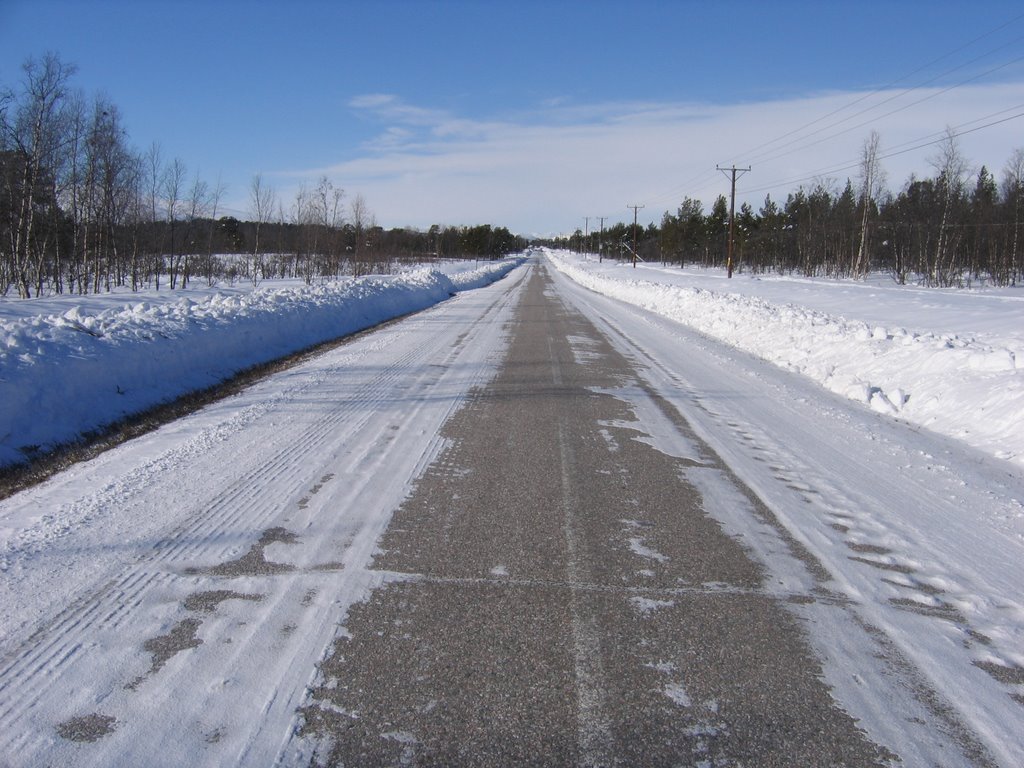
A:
(921, 144)
(917, 143)
(884, 88)
(933, 95)
(702, 177)
(940, 134)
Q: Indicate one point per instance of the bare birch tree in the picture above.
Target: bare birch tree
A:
(154, 169)
(197, 206)
(34, 135)
(262, 205)
(173, 188)
(360, 215)
(1013, 198)
(952, 168)
(872, 181)
(214, 201)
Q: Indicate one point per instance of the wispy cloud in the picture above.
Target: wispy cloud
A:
(412, 122)
(388, 108)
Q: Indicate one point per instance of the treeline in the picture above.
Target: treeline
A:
(82, 211)
(952, 229)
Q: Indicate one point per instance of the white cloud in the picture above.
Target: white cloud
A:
(543, 171)
(371, 101)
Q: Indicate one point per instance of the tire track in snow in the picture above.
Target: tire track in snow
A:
(333, 456)
(817, 489)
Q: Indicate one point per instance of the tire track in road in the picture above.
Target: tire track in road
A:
(592, 721)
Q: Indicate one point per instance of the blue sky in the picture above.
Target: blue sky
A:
(532, 114)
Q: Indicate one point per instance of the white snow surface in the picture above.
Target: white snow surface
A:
(71, 364)
(909, 540)
(950, 360)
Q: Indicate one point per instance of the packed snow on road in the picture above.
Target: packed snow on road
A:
(188, 582)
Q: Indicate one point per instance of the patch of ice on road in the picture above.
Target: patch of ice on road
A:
(584, 349)
(655, 429)
(678, 694)
(609, 438)
(646, 605)
(636, 544)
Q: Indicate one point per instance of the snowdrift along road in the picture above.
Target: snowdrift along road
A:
(64, 374)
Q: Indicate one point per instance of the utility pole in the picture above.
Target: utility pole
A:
(600, 242)
(732, 210)
(586, 233)
(634, 207)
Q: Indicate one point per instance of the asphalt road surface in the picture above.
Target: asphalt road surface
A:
(554, 593)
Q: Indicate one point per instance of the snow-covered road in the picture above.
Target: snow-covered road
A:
(921, 534)
(168, 602)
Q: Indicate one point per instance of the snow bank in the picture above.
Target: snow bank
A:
(958, 383)
(68, 373)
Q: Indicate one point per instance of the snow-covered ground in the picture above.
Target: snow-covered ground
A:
(70, 364)
(170, 599)
(950, 360)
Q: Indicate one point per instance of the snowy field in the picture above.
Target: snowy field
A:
(949, 360)
(70, 364)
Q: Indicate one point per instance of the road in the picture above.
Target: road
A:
(506, 530)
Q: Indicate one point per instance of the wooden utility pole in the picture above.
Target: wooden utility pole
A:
(732, 211)
(634, 207)
(600, 242)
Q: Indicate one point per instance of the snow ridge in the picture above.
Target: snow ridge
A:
(65, 374)
(969, 387)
